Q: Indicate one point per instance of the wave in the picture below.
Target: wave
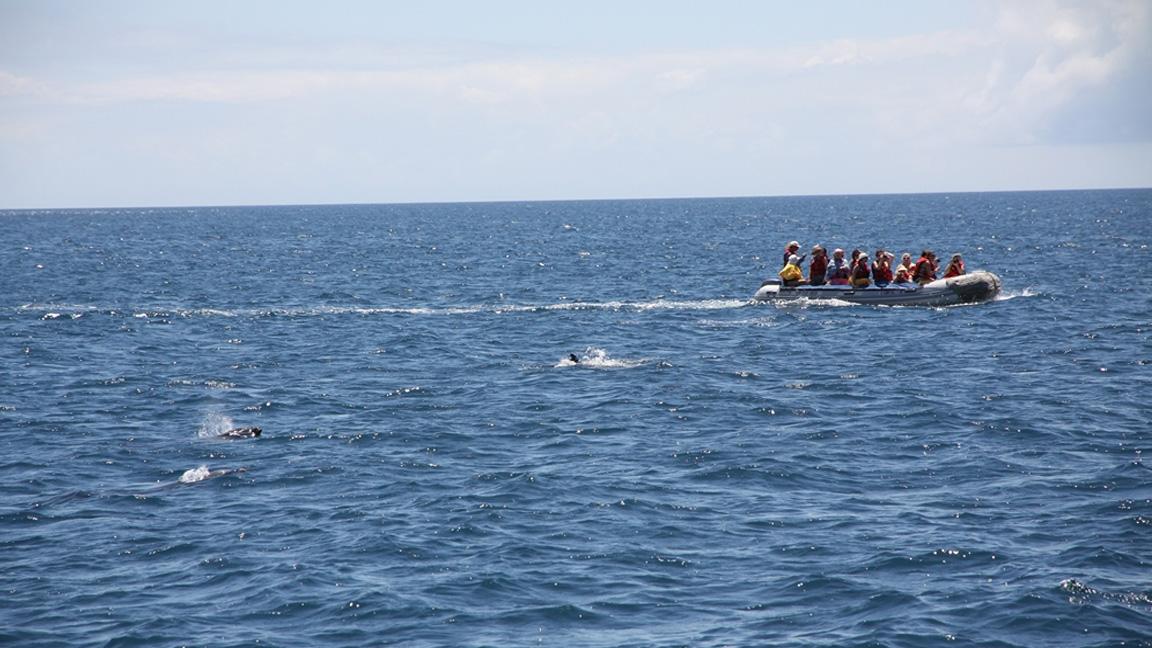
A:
(1080, 593)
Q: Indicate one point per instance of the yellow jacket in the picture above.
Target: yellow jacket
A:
(791, 273)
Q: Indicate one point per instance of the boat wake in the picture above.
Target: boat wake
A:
(807, 302)
(1009, 295)
(58, 311)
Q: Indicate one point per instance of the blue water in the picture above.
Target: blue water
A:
(434, 473)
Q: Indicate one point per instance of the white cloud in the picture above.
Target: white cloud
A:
(821, 113)
(1002, 83)
(1057, 52)
(12, 85)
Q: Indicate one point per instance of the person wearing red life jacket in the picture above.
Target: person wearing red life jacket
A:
(818, 266)
(792, 248)
(860, 274)
(839, 273)
(955, 267)
(904, 270)
(882, 268)
(925, 268)
(855, 259)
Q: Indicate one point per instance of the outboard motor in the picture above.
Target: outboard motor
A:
(769, 289)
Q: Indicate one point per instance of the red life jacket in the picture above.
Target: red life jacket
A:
(817, 268)
(954, 270)
(924, 270)
(861, 271)
(881, 273)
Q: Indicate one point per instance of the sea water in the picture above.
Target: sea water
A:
(435, 471)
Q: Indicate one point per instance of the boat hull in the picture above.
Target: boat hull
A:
(970, 288)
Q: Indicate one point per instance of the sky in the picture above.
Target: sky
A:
(132, 103)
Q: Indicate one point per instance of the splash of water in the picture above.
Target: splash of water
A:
(193, 475)
(1007, 295)
(599, 359)
(214, 425)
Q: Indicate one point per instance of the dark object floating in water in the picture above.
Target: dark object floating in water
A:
(977, 286)
(241, 433)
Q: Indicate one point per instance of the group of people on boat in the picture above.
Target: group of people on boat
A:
(860, 270)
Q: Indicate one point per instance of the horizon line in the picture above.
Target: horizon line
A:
(566, 200)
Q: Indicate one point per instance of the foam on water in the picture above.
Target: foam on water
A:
(57, 311)
(193, 475)
(810, 302)
(202, 472)
(1007, 295)
(596, 358)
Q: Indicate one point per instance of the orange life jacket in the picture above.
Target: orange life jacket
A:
(925, 271)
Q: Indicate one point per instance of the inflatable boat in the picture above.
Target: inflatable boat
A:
(973, 287)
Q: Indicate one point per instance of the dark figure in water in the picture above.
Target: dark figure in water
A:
(241, 433)
(572, 358)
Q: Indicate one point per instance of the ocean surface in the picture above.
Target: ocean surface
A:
(434, 472)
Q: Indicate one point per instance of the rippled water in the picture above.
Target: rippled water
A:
(434, 471)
